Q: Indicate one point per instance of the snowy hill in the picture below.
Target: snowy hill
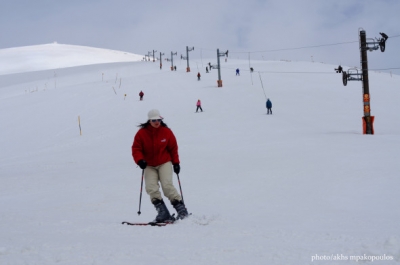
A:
(301, 186)
(54, 56)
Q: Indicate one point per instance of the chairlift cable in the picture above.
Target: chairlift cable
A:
(298, 48)
(262, 85)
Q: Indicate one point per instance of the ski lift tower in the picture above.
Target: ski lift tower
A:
(154, 59)
(187, 57)
(218, 66)
(161, 54)
(172, 60)
(352, 74)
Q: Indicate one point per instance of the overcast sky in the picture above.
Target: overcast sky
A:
(238, 26)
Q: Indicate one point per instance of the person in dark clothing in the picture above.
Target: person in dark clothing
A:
(198, 76)
(141, 94)
(269, 106)
(237, 71)
(339, 69)
(206, 69)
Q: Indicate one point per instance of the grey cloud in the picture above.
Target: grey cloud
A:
(240, 26)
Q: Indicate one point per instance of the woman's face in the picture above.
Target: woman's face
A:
(155, 123)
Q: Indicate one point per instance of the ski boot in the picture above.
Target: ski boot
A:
(163, 215)
(180, 209)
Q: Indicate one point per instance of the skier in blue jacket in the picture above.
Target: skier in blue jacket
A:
(269, 106)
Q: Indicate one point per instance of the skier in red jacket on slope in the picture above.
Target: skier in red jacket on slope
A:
(155, 150)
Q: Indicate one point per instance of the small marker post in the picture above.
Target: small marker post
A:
(79, 121)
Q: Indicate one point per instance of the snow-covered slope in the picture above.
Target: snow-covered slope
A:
(54, 56)
(300, 185)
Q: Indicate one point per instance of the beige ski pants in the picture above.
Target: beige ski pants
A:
(160, 174)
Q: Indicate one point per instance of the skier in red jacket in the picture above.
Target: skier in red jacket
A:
(155, 150)
(141, 94)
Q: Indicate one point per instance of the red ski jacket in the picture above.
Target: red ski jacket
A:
(155, 145)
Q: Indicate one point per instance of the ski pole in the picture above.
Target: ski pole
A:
(141, 188)
(180, 187)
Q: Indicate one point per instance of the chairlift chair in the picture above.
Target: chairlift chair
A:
(352, 74)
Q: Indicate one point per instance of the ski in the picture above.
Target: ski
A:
(149, 223)
(155, 223)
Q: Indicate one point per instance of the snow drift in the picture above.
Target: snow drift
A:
(55, 55)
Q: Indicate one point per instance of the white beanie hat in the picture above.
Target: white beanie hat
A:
(154, 114)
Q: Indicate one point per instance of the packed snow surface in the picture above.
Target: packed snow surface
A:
(301, 186)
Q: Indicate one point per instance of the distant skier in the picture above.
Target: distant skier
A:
(206, 69)
(175, 67)
(269, 106)
(237, 71)
(198, 104)
(198, 76)
(339, 69)
(141, 94)
(251, 69)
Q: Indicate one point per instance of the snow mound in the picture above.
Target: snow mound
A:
(55, 55)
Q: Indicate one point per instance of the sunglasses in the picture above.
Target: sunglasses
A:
(159, 120)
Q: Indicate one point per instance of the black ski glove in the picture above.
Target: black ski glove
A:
(177, 168)
(142, 164)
